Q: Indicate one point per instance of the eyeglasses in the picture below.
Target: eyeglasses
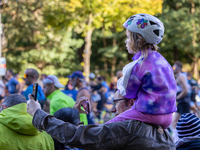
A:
(80, 123)
(115, 100)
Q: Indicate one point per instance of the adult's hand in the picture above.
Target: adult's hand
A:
(32, 105)
(85, 103)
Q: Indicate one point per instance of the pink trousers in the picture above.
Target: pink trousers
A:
(163, 120)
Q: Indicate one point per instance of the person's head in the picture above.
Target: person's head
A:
(121, 104)
(99, 79)
(143, 32)
(70, 115)
(4, 79)
(114, 79)
(77, 79)
(189, 76)
(177, 68)
(119, 74)
(50, 84)
(69, 85)
(91, 76)
(16, 75)
(9, 73)
(12, 100)
(30, 76)
(43, 76)
(103, 78)
(188, 126)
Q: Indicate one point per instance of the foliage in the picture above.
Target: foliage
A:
(34, 44)
(182, 30)
(107, 17)
(41, 34)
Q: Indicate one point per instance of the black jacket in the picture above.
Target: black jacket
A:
(126, 135)
(191, 145)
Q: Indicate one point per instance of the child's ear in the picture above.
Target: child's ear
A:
(132, 101)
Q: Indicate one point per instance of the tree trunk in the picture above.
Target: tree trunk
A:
(113, 68)
(196, 71)
(114, 60)
(87, 49)
(175, 53)
(105, 45)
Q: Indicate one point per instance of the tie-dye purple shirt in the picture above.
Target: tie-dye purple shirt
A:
(152, 84)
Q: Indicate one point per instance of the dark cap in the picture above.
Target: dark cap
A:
(78, 74)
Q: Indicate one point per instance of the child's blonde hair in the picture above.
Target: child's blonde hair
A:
(139, 43)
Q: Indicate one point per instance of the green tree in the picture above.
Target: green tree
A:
(31, 42)
(182, 31)
(87, 15)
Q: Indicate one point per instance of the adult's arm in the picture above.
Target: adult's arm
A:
(182, 83)
(109, 136)
(18, 85)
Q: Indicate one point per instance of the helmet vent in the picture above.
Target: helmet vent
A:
(156, 32)
(142, 15)
(132, 17)
(152, 23)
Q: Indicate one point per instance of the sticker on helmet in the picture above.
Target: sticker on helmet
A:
(129, 21)
(142, 23)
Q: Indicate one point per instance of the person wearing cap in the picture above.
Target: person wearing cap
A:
(57, 98)
(92, 82)
(78, 81)
(188, 128)
(30, 77)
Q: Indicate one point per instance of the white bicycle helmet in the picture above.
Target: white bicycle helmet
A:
(150, 27)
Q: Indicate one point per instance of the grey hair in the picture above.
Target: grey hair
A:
(14, 99)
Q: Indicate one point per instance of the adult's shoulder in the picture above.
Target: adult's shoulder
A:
(180, 78)
(84, 92)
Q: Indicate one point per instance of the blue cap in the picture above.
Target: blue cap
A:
(78, 74)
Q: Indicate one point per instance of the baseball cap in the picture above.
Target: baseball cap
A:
(78, 74)
(92, 75)
(53, 79)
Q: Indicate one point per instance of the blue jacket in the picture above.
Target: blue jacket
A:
(40, 94)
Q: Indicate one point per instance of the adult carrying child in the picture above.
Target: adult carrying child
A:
(149, 79)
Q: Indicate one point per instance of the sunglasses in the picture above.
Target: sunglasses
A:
(26, 76)
(115, 100)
